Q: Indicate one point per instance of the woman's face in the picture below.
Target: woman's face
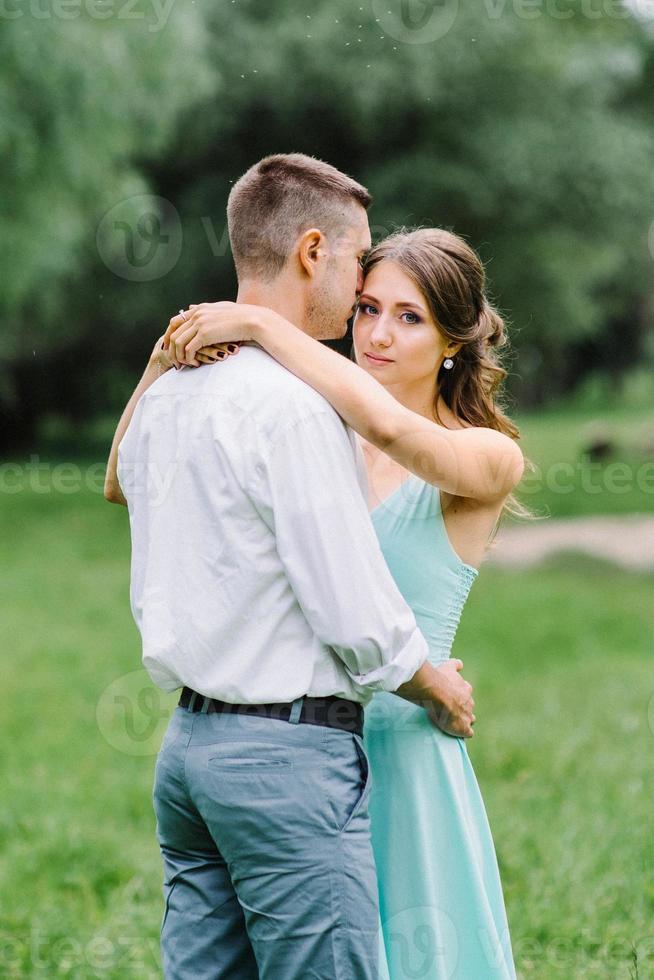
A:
(395, 336)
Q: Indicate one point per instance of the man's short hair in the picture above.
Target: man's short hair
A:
(276, 200)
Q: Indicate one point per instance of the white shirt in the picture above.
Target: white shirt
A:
(256, 572)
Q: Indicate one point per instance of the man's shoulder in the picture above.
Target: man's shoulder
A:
(252, 378)
(250, 390)
(272, 388)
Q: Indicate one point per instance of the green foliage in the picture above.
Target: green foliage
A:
(529, 133)
(86, 100)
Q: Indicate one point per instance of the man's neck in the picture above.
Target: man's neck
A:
(277, 296)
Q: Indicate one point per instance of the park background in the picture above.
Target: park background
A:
(527, 127)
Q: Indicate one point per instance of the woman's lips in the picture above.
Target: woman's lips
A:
(377, 360)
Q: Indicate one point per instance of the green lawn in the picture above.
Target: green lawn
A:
(561, 662)
(568, 483)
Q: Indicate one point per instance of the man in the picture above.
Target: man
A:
(259, 587)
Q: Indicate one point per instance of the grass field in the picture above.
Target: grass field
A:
(561, 662)
(568, 483)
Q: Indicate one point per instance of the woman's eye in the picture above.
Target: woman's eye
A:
(416, 319)
(368, 309)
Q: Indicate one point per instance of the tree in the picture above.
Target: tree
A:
(524, 129)
(88, 96)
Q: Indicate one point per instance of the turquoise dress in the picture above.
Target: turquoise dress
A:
(442, 914)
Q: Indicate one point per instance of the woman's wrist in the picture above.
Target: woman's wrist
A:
(258, 325)
(268, 328)
(154, 369)
(158, 363)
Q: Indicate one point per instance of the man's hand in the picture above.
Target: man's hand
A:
(452, 710)
(444, 694)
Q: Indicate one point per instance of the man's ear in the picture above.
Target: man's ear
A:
(311, 249)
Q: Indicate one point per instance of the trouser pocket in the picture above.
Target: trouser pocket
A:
(168, 894)
(349, 779)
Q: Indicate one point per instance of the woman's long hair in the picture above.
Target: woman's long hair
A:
(452, 280)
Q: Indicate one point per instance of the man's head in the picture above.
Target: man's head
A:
(297, 223)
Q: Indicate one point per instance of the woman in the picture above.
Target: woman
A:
(442, 462)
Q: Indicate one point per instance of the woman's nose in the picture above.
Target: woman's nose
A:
(380, 333)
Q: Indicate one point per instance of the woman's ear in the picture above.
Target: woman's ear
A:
(311, 250)
(452, 350)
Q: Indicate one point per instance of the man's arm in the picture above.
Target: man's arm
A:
(444, 694)
(305, 488)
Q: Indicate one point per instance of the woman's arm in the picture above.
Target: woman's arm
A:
(478, 463)
(158, 363)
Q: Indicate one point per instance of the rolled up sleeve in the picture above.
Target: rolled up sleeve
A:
(306, 489)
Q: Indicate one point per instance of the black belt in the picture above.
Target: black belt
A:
(332, 711)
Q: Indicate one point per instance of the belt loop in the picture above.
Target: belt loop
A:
(205, 705)
(296, 711)
(192, 700)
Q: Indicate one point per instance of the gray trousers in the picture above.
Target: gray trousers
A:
(265, 836)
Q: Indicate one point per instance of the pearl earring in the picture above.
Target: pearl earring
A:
(448, 363)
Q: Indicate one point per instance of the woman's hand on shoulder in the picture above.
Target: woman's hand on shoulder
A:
(222, 325)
